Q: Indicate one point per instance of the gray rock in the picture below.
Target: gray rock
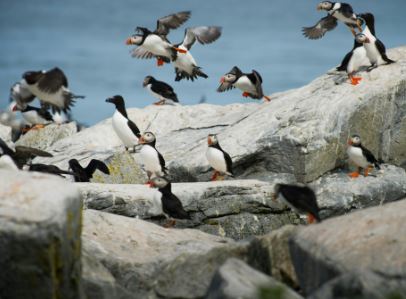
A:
(235, 279)
(40, 245)
(5, 133)
(149, 261)
(370, 240)
(301, 132)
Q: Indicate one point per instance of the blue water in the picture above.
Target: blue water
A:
(86, 39)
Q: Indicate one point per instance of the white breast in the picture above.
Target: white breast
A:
(244, 84)
(372, 52)
(123, 131)
(358, 59)
(356, 156)
(185, 62)
(33, 118)
(150, 159)
(216, 159)
(156, 45)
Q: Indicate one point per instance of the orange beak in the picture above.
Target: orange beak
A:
(15, 108)
(128, 41)
(150, 184)
(349, 142)
(222, 79)
(141, 140)
(209, 141)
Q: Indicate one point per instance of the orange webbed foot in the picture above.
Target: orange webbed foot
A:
(355, 80)
(366, 171)
(354, 174)
(267, 99)
(214, 177)
(245, 94)
(310, 219)
(160, 62)
(170, 223)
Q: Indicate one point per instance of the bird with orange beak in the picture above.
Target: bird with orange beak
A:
(153, 161)
(360, 156)
(250, 84)
(218, 158)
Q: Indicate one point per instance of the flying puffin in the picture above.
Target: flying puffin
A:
(22, 154)
(299, 198)
(250, 84)
(218, 158)
(51, 87)
(335, 11)
(185, 65)
(34, 116)
(20, 94)
(153, 161)
(125, 129)
(375, 49)
(353, 61)
(162, 91)
(360, 156)
(154, 43)
(171, 205)
(51, 169)
(85, 174)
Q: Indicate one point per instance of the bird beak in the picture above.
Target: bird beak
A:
(319, 6)
(109, 100)
(141, 140)
(15, 108)
(150, 184)
(349, 142)
(209, 141)
(367, 40)
(222, 79)
(129, 41)
(144, 84)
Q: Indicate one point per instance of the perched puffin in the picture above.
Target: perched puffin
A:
(22, 154)
(335, 11)
(153, 161)
(51, 87)
(154, 43)
(85, 174)
(218, 158)
(171, 205)
(375, 49)
(34, 116)
(125, 129)
(20, 94)
(299, 198)
(185, 65)
(162, 91)
(51, 169)
(250, 84)
(360, 156)
(353, 61)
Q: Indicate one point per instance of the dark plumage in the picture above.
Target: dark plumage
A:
(160, 90)
(51, 169)
(85, 174)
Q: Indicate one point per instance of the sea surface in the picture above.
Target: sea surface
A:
(86, 38)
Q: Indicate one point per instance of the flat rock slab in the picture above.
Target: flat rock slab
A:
(371, 240)
(40, 227)
(153, 262)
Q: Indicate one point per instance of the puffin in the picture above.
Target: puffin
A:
(34, 116)
(50, 169)
(299, 198)
(154, 43)
(161, 90)
(375, 49)
(154, 162)
(335, 11)
(84, 174)
(171, 205)
(250, 84)
(20, 94)
(51, 87)
(125, 128)
(185, 65)
(360, 156)
(353, 61)
(218, 158)
(22, 154)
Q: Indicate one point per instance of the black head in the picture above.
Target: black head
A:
(355, 140)
(117, 100)
(32, 77)
(73, 163)
(232, 75)
(148, 80)
(366, 18)
(325, 5)
(160, 182)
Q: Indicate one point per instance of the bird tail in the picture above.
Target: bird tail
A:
(74, 96)
(199, 72)
(388, 60)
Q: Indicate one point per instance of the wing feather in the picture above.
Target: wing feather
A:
(322, 26)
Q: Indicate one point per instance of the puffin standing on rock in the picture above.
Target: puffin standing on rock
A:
(36, 117)
(360, 156)
(299, 198)
(154, 43)
(84, 174)
(250, 84)
(335, 11)
(125, 129)
(353, 61)
(162, 91)
(153, 161)
(171, 205)
(218, 158)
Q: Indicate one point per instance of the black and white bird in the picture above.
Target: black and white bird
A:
(171, 205)
(218, 158)
(161, 90)
(34, 116)
(185, 65)
(375, 49)
(22, 154)
(154, 162)
(152, 44)
(9, 118)
(353, 61)
(360, 156)
(250, 84)
(84, 174)
(125, 128)
(50, 169)
(20, 94)
(51, 87)
(335, 11)
(300, 198)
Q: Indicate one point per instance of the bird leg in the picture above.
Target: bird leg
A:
(148, 183)
(373, 66)
(38, 126)
(160, 62)
(366, 171)
(214, 177)
(180, 50)
(245, 94)
(161, 102)
(170, 223)
(310, 218)
(267, 99)
(354, 174)
(354, 80)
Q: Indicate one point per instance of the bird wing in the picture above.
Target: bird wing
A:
(229, 162)
(175, 207)
(29, 152)
(5, 149)
(346, 10)
(52, 169)
(20, 93)
(323, 25)
(140, 52)
(368, 155)
(225, 86)
(203, 34)
(134, 128)
(52, 81)
(164, 90)
(172, 21)
(303, 198)
(96, 164)
(347, 57)
(45, 114)
(257, 80)
(162, 162)
(382, 50)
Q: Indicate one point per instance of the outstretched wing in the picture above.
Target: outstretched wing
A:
(96, 164)
(203, 34)
(258, 84)
(52, 81)
(140, 52)
(317, 31)
(172, 21)
(346, 10)
(225, 86)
